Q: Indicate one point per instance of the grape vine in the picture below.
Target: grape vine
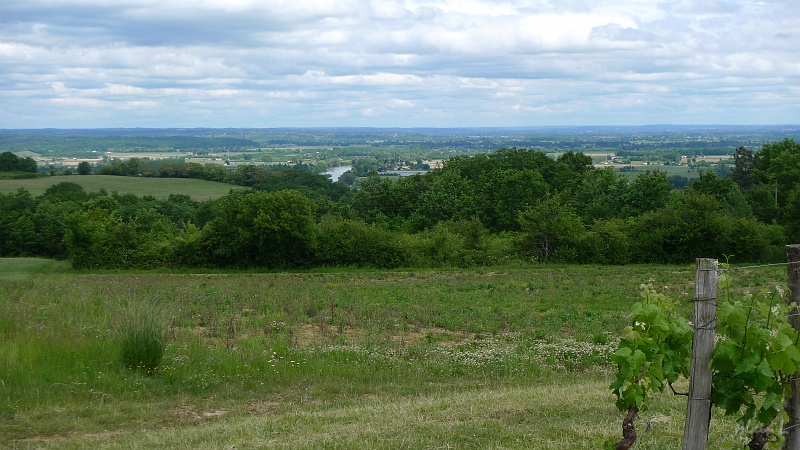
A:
(756, 352)
(753, 359)
(654, 351)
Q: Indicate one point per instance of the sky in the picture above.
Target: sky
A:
(397, 63)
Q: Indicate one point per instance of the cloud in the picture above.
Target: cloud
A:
(396, 62)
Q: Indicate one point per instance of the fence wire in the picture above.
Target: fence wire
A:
(734, 269)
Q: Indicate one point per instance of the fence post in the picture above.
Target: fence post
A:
(698, 412)
(791, 430)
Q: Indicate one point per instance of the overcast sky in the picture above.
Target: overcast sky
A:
(397, 63)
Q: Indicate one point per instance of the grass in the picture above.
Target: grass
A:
(502, 358)
(142, 340)
(20, 268)
(199, 190)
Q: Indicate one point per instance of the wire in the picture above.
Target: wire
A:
(649, 422)
(733, 269)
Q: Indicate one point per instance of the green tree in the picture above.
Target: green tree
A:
(84, 168)
(375, 198)
(778, 165)
(725, 190)
(578, 163)
(66, 191)
(744, 162)
(599, 194)
(12, 208)
(502, 194)
(266, 229)
(449, 196)
(8, 162)
(648, 192)
(551, 230)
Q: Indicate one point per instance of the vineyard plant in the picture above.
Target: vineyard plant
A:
(755, 354)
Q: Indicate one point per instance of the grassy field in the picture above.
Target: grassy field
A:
(502, 358)
(199, 190)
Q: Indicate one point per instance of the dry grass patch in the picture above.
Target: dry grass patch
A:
(554, 415)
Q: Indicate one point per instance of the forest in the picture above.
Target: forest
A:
(509, 206)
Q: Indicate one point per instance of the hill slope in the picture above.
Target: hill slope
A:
(200, 190)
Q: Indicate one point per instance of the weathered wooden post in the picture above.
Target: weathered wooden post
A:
(698, 413)
(791, 429)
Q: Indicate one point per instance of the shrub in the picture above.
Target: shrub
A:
(142, 340)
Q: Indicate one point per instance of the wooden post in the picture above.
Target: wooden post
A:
(791, 430)
(698, 413)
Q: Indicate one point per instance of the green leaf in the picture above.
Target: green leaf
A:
(726, 356)
(746, 364)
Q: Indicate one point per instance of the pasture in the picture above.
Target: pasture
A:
(161, 188)
(513, 357)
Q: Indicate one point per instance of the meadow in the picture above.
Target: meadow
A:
(508, 357)
(199, 190)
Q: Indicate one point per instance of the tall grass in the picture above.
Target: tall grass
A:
(239, 344)
(142, 340)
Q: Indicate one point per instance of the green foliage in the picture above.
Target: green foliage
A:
(550, 210)
(754, 357)
(725, 191)
(345, 242)
(648, 192)
(551, 231)
(84, 168)
(752, 361)
(654, 350)
(10, 162)
(142, 340)
(695, 223)
(605, 242)
(268, 229)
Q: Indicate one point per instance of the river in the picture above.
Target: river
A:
(336, 172)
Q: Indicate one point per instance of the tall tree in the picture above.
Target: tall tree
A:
(744, 161)
(84, 168)
(648, 192)
(551, 230)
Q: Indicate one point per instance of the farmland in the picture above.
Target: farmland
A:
(502, 357)
(161, 188)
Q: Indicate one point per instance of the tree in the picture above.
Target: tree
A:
(551, 230)
(744, 161)
(503, 194)
(725, 190)
(84, 168)
(266, 229)
(8, 162)
(598, 194)
(375, 197)
(648, 192)
(64, 192)
(577, 163)
(778, 165)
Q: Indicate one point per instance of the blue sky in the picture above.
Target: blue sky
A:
(397, 63)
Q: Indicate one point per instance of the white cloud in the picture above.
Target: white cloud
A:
(397, 62)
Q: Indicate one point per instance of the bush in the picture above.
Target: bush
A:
(142, 341)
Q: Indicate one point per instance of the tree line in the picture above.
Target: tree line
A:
(10, 162)
(512, 205)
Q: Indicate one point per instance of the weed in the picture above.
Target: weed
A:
(142, 341)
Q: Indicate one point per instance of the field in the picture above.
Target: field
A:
(501, 358)
(199, 190)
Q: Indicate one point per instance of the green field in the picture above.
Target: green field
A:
(500, 358)
(199, 190)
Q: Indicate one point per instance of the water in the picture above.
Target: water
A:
(336, 172)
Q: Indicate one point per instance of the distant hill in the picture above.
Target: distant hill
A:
(199, 190)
